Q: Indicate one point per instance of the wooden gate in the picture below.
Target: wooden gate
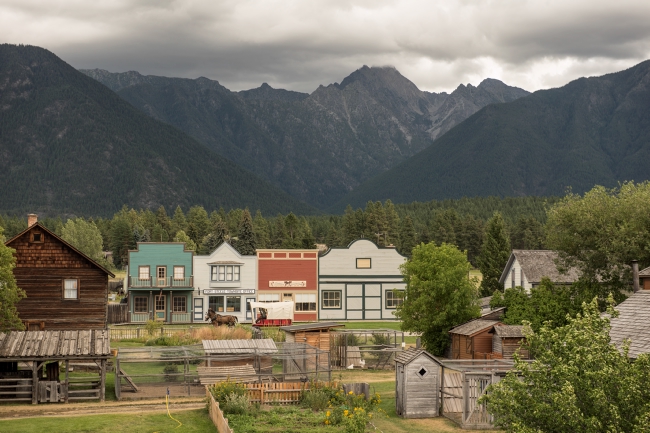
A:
(118, 313)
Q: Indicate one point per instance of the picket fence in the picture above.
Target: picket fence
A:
(216, 415)
(125, 333)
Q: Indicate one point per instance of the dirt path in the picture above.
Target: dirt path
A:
(109, 407)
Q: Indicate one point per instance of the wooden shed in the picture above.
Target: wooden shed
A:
(231, 353)
(507, 339)
(65, 289)
(473, 340)
(315, 334)
(36, 349)
(417, 384)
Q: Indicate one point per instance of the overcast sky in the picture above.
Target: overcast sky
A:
(297, 45)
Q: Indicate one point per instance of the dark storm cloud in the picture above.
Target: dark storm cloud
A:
(301, 44)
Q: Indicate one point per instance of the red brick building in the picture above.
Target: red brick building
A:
(289, 275)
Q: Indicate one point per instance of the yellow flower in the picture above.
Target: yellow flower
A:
(351, 392)
(327, 413)
(345, 412)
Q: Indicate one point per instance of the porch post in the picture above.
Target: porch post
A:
(171, 300)
(67, 380)
(151, 306)
(35, 382)
(102, 381)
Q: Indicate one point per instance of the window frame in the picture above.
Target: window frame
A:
(135, 304)
(364, 267)
(330, 307)
(182, 267)
(235, 308)
(63, 295)
(40, 240)
(225, 273)
(183, 306)
(140, 268)
(394, 301)
(218, 300)
(300, 304)
(276, 295)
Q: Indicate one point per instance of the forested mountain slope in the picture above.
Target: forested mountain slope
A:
(317, 146)
(69, 145)
(591, 131)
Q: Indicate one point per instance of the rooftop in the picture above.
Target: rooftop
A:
(538, 264)
(633, 323)
(310, 326)
(474, 326)
(54, 344)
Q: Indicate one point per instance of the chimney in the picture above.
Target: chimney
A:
(635, 275)
(32, 219)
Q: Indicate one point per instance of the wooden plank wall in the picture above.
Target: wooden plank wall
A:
(40, 271)
(118, 313)
(452, 396)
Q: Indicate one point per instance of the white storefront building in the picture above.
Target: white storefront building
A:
(225, 281)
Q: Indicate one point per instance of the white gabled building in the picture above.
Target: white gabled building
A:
(526, 268)
(226, 281)
(359, 282)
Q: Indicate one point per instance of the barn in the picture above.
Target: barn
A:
(473, 340)
(65, 288)
(417, 384)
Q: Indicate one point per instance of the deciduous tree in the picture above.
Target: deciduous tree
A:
(10, 293)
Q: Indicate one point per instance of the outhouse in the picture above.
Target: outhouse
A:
(417, 384)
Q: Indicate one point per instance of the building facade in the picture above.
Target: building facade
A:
(160, 283)
(65, 288)
(289, 275)
(225, 281)
(360, 282)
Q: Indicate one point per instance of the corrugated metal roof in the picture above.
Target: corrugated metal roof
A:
(474, 326)
(310, 326)
(410, 354)
(54, 344)
(509, 331)
(633, 323)
(262, 346)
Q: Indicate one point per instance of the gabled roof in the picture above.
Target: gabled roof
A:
(55, 344)
(633, 323)
(509, 331)
(473, 327)
(645, 272)
(42, 227)
(310, 326)
(362, 240)
(412, 353)
(538, 264)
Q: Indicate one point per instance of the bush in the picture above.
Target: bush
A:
(220, 391)
(170, 372)
(316, 400)
(236, 404)
(152, 326)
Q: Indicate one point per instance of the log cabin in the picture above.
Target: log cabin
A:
(65, 288)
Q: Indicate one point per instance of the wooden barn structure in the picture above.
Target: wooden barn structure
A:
(315, 334)
(473, 340)
(227, 353)
(24, 354)
(507, 339)
(417, 384)
(66, 289)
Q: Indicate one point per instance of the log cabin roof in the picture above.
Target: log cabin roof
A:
(473, 327)
(509, 331)
(43, 228)
(54, 344)
(217, 347)
(538, 264)
(633, 323)
(412, 353)
(645, 272)
(310, 326)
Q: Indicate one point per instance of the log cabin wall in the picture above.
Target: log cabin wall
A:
(42, 265)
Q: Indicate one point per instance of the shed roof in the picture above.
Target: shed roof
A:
(262, 346)
(412, 353)
(633, 323)
(509, 331)
(644, 272)
(310, 326)
(473, 327)
(55, 344)
(538, 264)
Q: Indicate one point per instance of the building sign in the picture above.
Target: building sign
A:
(229, 292)
(287, 283)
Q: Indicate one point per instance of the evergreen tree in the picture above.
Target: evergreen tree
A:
(181, 236)
(198, 223)
(494, 254)
(392, 223)
(307, 238)
(178, 221)
(163, 220)
(351, 229)
(279, 232)
(261, 229)
(121, 240)
(292, 224)
(246, 244)
(407, 236)
(333, 238)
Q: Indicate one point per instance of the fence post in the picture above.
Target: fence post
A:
(137, 333)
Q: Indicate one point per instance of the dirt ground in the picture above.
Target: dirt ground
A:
(96, 408)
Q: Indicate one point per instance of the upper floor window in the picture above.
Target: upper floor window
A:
(179, 272)
(143, 272)
(363, 263)
(36, 237)
(225, 273)
(71, 289)
(268, 297)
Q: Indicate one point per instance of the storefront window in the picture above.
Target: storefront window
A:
(216, 303)
(233, 304)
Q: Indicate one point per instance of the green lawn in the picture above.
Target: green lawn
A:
(393, 325)
(192, 421)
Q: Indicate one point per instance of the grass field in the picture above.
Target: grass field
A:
(193, 421)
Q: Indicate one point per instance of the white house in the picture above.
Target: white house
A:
(226, 281)
(359, 282)
(526, 268)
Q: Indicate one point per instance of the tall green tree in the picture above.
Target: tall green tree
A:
(307, 239)
(181, 236)
(392, 223)
(198, 223)
(261, 229)
(578, 382)
(438, 295)
(292, 239)
(494, 254)
(84, 236)
(121, 240)
(10, 293)
(179, 222)
(407, 236)
(246, 244)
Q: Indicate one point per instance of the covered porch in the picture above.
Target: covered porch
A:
(167, 305)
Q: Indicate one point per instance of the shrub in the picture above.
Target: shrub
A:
(316, 399)
(351, 411)
(170, 370)
(236, 404)
(152, 326)
(222, 390)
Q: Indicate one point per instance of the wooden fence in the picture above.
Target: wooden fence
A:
(275, 393)
(118, 313)
(216, 415)
(123, 333)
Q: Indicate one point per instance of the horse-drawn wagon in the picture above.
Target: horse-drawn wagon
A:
(272, 313)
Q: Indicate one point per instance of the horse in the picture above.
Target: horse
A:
(218, 319)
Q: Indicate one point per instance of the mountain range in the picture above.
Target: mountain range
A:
(592, 131)
(317, 147)
(69, 145)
